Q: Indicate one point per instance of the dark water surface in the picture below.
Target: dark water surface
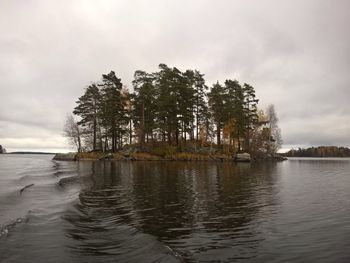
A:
(295, 211)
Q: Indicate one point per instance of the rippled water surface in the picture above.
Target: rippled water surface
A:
(295, 211)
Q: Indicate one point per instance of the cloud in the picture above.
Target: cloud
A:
(295, 53)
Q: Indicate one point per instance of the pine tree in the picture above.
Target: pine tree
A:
(88, 110)
(113, 110)
(251, 111)
(217, 105)
(168, 106)
(197, 84)
(144, 104)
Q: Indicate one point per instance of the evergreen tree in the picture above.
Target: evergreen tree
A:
(88, 110)
(235, 108)
(217, 104)
(251, 111)
(197, 84)
(185, 102)
(168, 107)
(113, 110)
(144, 104)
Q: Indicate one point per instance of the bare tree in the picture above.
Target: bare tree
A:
(72, 132)
(275, 132)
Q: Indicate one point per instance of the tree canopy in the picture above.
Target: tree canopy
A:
(171, 107)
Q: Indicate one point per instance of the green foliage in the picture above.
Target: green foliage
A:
(233, 102)
(113, 112)
(144, 102)
(171, 106)
(88, 110)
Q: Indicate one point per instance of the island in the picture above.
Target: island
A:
(171, 115)
(2, 149)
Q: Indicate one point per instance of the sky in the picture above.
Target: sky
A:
(296, 54)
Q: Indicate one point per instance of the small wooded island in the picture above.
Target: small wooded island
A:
(172, 115)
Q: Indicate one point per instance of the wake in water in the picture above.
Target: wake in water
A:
(65, 223)
(23, 183)
(297, 211)
(5, 229)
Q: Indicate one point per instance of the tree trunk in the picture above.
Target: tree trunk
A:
(130, 132)
(207, 131)
(142, 130)
(239, 142)
(197, 128)
(79, 141)
(113, 139)
(185, 136)
(218, 134)
(100, 138)
(94, 142)
(169, 136)
(177, 136)
(106, 144)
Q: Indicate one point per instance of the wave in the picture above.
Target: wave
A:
(6, 228)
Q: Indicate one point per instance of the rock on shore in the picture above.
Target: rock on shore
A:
(65, 157)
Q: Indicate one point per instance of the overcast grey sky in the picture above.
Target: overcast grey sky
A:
(295, 53)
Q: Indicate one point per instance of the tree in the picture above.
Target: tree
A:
(197, 90)
(88, 110)
(251, 112)
(128, 107)
(113, 112)
(217, 105)
(169, 83)
(235, 108)
(275, 132)
(2, 149)
(185, 90)
(144, 104)
(260, 135)
(72, 132)
(229, 133)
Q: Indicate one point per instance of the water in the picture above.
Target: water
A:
(295, 211)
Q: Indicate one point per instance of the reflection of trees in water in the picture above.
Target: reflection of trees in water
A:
(192, 206)
(102, 223)
(163, 198)
(202, 206)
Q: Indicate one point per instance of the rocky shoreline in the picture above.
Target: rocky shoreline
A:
(181, 156)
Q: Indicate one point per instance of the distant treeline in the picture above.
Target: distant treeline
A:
(322, 151)
(171, 107)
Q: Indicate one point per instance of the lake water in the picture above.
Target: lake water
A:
(294, 211)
